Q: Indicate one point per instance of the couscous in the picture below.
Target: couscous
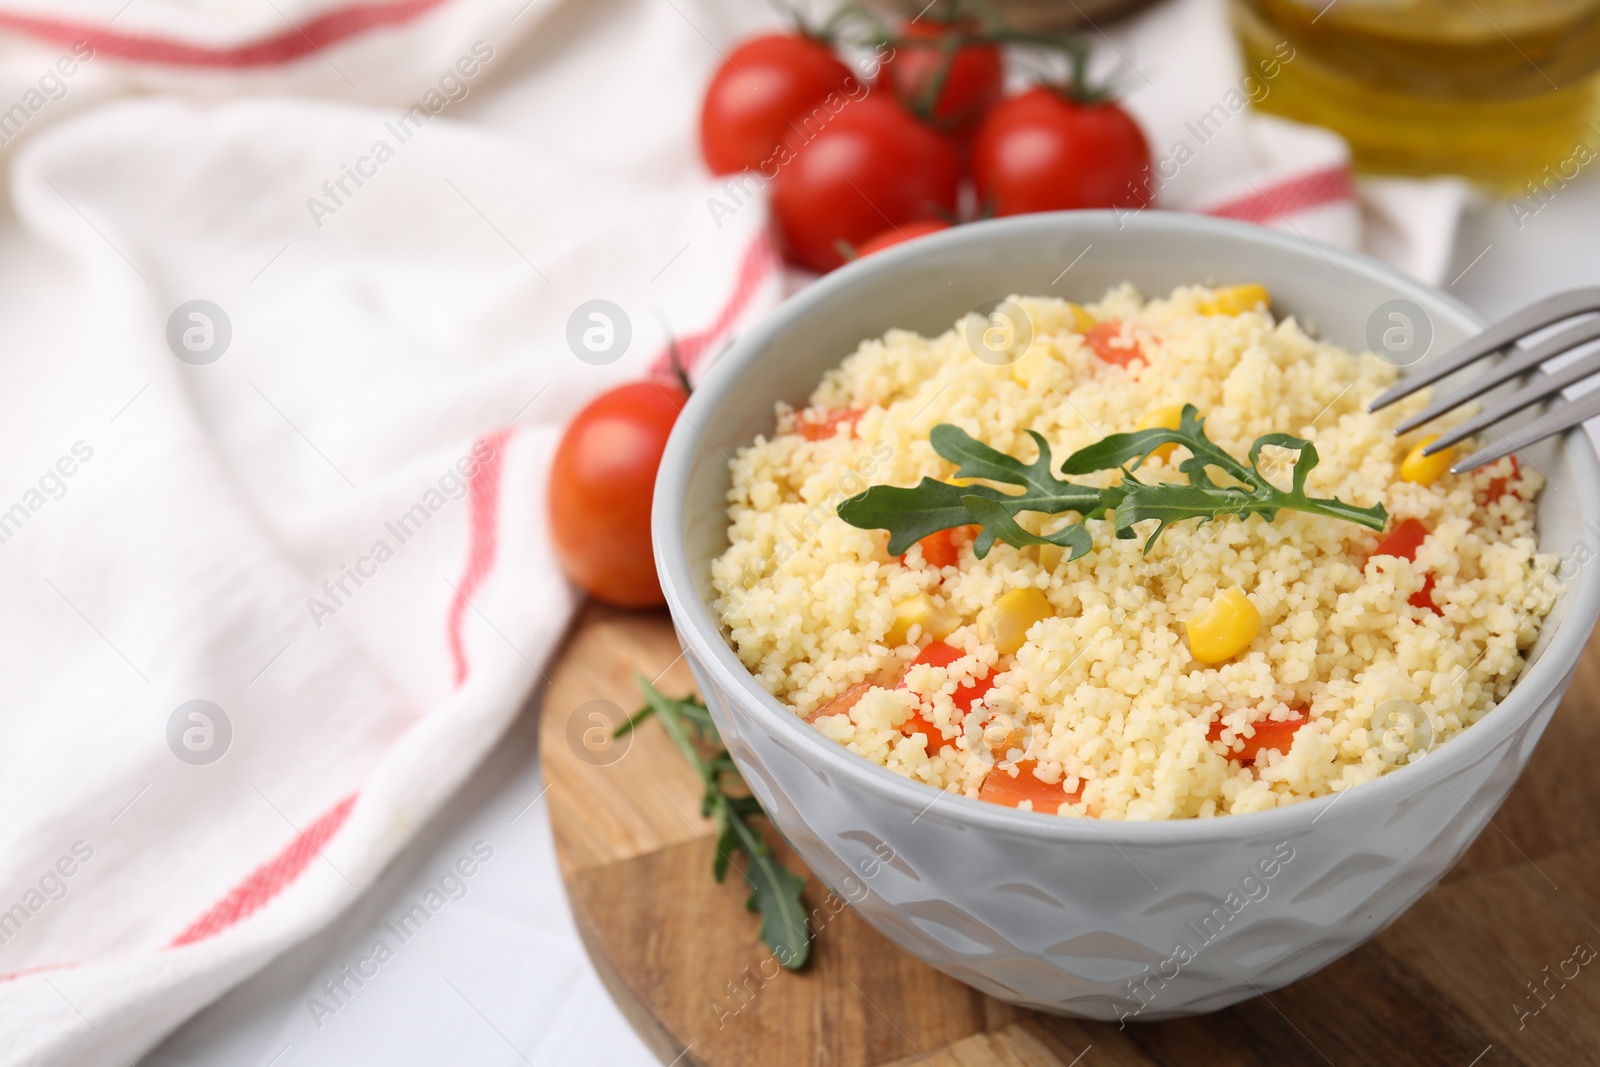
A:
(1230, 665)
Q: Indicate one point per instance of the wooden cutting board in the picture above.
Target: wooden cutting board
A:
(1451, 983)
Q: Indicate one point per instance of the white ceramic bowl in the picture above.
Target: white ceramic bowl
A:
(1081, 916)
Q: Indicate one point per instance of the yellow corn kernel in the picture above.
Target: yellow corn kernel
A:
(1236, 300)
(1167, 418)
(1050, 556)
(1425, 470)
(918, 610)
(1005, 625)
(910, 612)
(1081, 318)
(1223, 628)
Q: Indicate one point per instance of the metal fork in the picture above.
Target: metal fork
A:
(1498, 338)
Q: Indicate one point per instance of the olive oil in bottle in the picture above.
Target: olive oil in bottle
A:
(1496, 90)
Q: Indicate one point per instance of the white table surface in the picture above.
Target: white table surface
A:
(508, 946)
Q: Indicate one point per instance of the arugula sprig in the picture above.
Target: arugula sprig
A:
(910, 514)
(774, 889)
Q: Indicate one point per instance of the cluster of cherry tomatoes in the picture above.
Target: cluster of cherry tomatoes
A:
(860, 162)
(856, 163)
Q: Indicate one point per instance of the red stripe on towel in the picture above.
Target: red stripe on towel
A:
(272, 877)
(484, 486)
(760, 257)
(269, 879)
(295, 42)
(37, 970)
(278, 873)
(1315, 189)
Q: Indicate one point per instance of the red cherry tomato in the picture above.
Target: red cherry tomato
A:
(825, 428)
(1269, 733)
(873, 166)
(936, 741)
(1000, 788)
(764, 85)
(940, 654)
(841, 704)
(973, 81)
(1423, 598)
(916, 724)
(1040, 151)
(909, 231)
(1404, 540)
(1106, 340)
(601, 483)
(1498, 484)
(937, 654)
(939, 550)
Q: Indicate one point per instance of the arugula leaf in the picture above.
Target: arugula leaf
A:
(774, 889)
(997, 522)
(912, 514)
(1202, 498)
(695, 713)
(1116, 450)
(1374, 517)
(908, 514)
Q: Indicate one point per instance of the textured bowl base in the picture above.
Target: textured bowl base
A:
(1445, 984)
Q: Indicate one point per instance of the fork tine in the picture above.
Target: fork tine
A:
(1533, 317)
(1544, 387)
(1513, 366)
(1564, 417)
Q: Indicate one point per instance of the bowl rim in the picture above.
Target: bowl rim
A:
(703, 639)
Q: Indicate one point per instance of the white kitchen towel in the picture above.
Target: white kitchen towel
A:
(287, 456)
(323, 517)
